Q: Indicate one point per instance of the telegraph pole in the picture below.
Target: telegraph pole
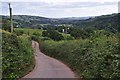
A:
(11, 23)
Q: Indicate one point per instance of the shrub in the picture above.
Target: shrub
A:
(91, 58)
(19, 32)
(6, 25)
(17, 55)
(52, 34)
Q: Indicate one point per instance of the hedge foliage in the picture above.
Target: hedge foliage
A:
(17, 55)
(95, 57)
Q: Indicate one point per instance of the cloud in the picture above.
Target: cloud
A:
(61, 9)
(61, 5)
(57, 1)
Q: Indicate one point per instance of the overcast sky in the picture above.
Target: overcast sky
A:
(61, 8)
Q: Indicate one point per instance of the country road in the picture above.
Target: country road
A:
(47, 67)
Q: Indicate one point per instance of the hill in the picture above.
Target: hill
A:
(38, 22)
(108, 22)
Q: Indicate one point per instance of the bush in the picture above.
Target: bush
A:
(17, 55)
(36, 34)
(6, 25)
(90, 58)
(78, 33)
(53, 35)
(39, 38)
(19, 32)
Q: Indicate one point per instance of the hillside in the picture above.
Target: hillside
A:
(108, 22)
(38, 22)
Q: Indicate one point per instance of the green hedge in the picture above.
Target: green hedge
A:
(17, 55)
(96, 57)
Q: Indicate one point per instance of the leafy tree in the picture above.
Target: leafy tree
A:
(60, 28)
(78, 33)
(6, 25)
(52, 34)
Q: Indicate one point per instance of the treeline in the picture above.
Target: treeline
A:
(76, 33)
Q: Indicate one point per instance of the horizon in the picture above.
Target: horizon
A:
(52, 9)
(59, 17)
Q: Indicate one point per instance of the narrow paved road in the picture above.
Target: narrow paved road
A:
(47, 67)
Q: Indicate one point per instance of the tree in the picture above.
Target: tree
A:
(6, 24)
(60, 28)
(78, 33)
(52, 34)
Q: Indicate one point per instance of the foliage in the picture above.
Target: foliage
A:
(95, 57)
(39, 38)
(17, 55)
(19, 32)
(28, 31)
(6, 24)
(60, 28)
(53, 35)
(36, 34)
(95, 53)
(78, 33)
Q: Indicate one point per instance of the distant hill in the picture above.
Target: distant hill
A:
(74, 18)
(109, 22)
(34, 21)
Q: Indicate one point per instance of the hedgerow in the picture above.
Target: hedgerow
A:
(17, 55)
(94, 57)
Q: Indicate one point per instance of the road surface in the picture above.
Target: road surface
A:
(47, 67)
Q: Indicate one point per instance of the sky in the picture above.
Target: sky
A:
(60, 8)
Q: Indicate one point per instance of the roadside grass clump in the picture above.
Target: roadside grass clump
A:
(17, 55)
(96, 57)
